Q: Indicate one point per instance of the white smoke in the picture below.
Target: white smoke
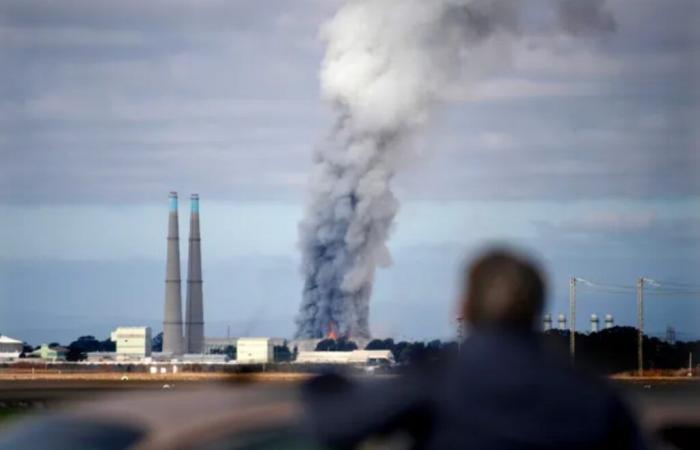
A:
(388, 64)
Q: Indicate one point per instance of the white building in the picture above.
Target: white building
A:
(132, 342)
(10, 349)
(361, 357)
(203, 358)
(254, 350)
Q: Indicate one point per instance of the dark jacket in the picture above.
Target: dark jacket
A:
(505, 391)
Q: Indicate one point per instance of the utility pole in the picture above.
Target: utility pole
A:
(690, 364)
(572, 318)
(640, 326)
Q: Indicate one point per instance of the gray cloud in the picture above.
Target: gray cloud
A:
(586, 16)
(120, 101)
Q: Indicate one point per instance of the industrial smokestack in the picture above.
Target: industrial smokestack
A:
(172, 318)
(194, 312)
(388, 65)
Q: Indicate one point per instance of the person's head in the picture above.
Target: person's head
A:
(502, 289)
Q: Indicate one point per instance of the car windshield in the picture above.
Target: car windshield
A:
(71, 434)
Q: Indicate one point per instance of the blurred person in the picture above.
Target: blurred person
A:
(504, 391)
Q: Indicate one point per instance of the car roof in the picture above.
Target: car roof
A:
(174, 418)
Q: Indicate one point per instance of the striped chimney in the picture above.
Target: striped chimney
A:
(172, 318)
(194, 310)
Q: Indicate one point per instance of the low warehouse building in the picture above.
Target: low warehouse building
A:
(362, 357)
(254, 350)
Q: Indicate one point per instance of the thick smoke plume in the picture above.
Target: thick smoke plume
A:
(388, 64)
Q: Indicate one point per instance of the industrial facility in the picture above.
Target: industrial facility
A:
(561, 322)
(178, 340)
(359, 357)
(132, 342)
(254, 350)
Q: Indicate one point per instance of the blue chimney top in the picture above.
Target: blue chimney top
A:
(173, 201)
(194, 203)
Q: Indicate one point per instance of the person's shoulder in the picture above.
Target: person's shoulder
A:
(595, 393)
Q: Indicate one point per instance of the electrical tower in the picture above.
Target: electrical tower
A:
(670, 335)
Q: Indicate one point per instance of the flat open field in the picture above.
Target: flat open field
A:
(22, 394)
(22, 391)
(56, 375)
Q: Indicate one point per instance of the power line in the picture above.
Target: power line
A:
(679, 284)
(644, 285)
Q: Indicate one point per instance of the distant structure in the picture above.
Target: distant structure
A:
(10, 349)
(194, 310)
(254, 350)
(670, 335)
(218, 345)
(172, 318)
(304, 345)
(547, 322)
(50, 353)
(595, 323)
(461, 330)
(562, 322)
(358, 357)
(132, 342)
(609, 321)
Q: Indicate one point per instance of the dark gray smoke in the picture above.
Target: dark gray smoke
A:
(585, 17)
(388, 63)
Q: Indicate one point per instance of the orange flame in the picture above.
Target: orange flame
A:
(331, 334)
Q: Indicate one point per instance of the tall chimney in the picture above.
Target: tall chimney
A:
(194, 313)
(172, 317)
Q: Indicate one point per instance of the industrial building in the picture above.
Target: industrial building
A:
(201, 358)
(304, 345)
(50, 353)
(183, 337)
(10, 349)
(254, 350)
(132, 342)
(218, 345)
(359, 357)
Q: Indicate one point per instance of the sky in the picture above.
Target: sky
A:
(583, 151)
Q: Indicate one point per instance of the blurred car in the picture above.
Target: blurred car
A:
(257, 417)
(215, 418)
